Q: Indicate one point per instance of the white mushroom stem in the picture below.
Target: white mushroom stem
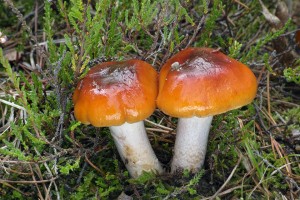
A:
(191, 143)
(135, 149)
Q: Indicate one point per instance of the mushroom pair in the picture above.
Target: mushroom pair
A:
(194, 85)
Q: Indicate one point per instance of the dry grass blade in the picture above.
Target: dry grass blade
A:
(226, 182)
(28, 182)
(158, 125)
(12, 104)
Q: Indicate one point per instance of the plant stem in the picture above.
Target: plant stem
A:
(191, 143)
(135, 149)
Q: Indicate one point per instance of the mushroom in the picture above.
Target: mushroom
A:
(121, 95)
(194, 85)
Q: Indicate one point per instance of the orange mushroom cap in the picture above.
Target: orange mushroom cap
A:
(204, 82)
(113, 93)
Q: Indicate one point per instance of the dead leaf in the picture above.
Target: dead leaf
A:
(272, 19)
(12, 54)
(282, 12)
(124, 196)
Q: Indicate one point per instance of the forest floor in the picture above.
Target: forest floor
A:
(46, 47)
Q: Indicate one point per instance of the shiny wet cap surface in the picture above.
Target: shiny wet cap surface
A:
(113, 93)
(203, 82)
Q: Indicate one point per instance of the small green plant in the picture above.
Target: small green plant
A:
(234, 48)
(189, 187)
(253, 51)
(210, 24)
(292, 75)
